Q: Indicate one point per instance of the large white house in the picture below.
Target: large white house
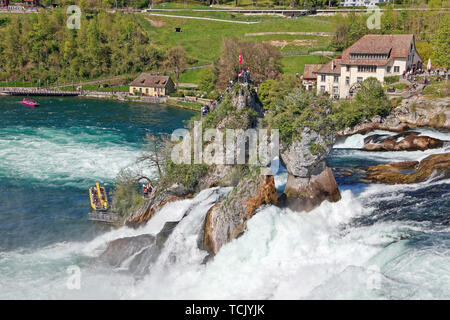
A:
(373, 55)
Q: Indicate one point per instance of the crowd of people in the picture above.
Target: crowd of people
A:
(97, 201)
(413, 73)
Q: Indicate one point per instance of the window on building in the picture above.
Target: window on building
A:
(367, 68)
(335, 90)
(322, 88)
(388, 69)
(359, 79)
(146, 90)
(336, 78)
(396, 69)
(322, 78)
(368, 56)
(347, 80)
(347, 68)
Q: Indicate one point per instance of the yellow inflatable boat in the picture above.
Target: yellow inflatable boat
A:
(99, 200)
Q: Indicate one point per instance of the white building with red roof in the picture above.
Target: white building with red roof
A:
(373, 55)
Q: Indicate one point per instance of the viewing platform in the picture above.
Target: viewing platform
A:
(18, 91)
(102, 217)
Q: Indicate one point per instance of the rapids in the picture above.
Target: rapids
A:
(377, 242)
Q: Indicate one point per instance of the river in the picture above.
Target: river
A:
(378, 242)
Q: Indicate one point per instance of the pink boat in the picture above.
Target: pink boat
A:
(30, 102)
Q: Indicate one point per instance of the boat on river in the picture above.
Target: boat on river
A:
(98, 197)
(30, 102)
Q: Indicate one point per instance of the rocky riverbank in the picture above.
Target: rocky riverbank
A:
(436, 166)
(417, 111)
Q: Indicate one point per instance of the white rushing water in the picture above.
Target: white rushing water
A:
(282, 255)
(64, 157)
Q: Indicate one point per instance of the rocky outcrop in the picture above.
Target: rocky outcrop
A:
(244, 97)
(305, 194)
(310, 180)
(390, 123)
(407, 141)
(159, 198)
(436, 165)
(421, 111)
(121, 249)
(417, 111)
(136, 254)
(226, 220)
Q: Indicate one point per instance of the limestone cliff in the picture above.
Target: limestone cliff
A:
(226, 220)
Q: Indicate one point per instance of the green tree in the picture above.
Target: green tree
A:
(441, 45)
(207, 79)
(176, 59)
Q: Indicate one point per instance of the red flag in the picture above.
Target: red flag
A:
(240, 58)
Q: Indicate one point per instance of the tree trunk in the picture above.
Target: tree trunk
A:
(177, 74)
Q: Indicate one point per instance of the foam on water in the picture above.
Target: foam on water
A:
(282, 255)
(63, 157)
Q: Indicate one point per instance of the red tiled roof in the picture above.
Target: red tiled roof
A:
(148, 80)
(395, 45)
(308, 71)
(332, 67)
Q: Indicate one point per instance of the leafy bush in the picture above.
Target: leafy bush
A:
(297, 110)
(177, 94)
(187, 175)
(207, 79)
(371, 100)
(126, 199)
(391, 79)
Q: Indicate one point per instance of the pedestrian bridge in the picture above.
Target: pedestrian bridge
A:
(17, 91)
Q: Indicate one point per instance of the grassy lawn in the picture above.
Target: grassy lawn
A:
(189, 76)
(202, 39)
(214, 14)
(296, 64)
(247, 4)
(20, 84)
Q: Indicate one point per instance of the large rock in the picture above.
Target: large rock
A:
(417, 111)
(136, 254)
(305, 194)
(310, 180)
(121, 249)
(421, 111)
(244, 97)
(436, 165)
(226, 220)
(159, 198)
(408, 141)
(374, 124)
